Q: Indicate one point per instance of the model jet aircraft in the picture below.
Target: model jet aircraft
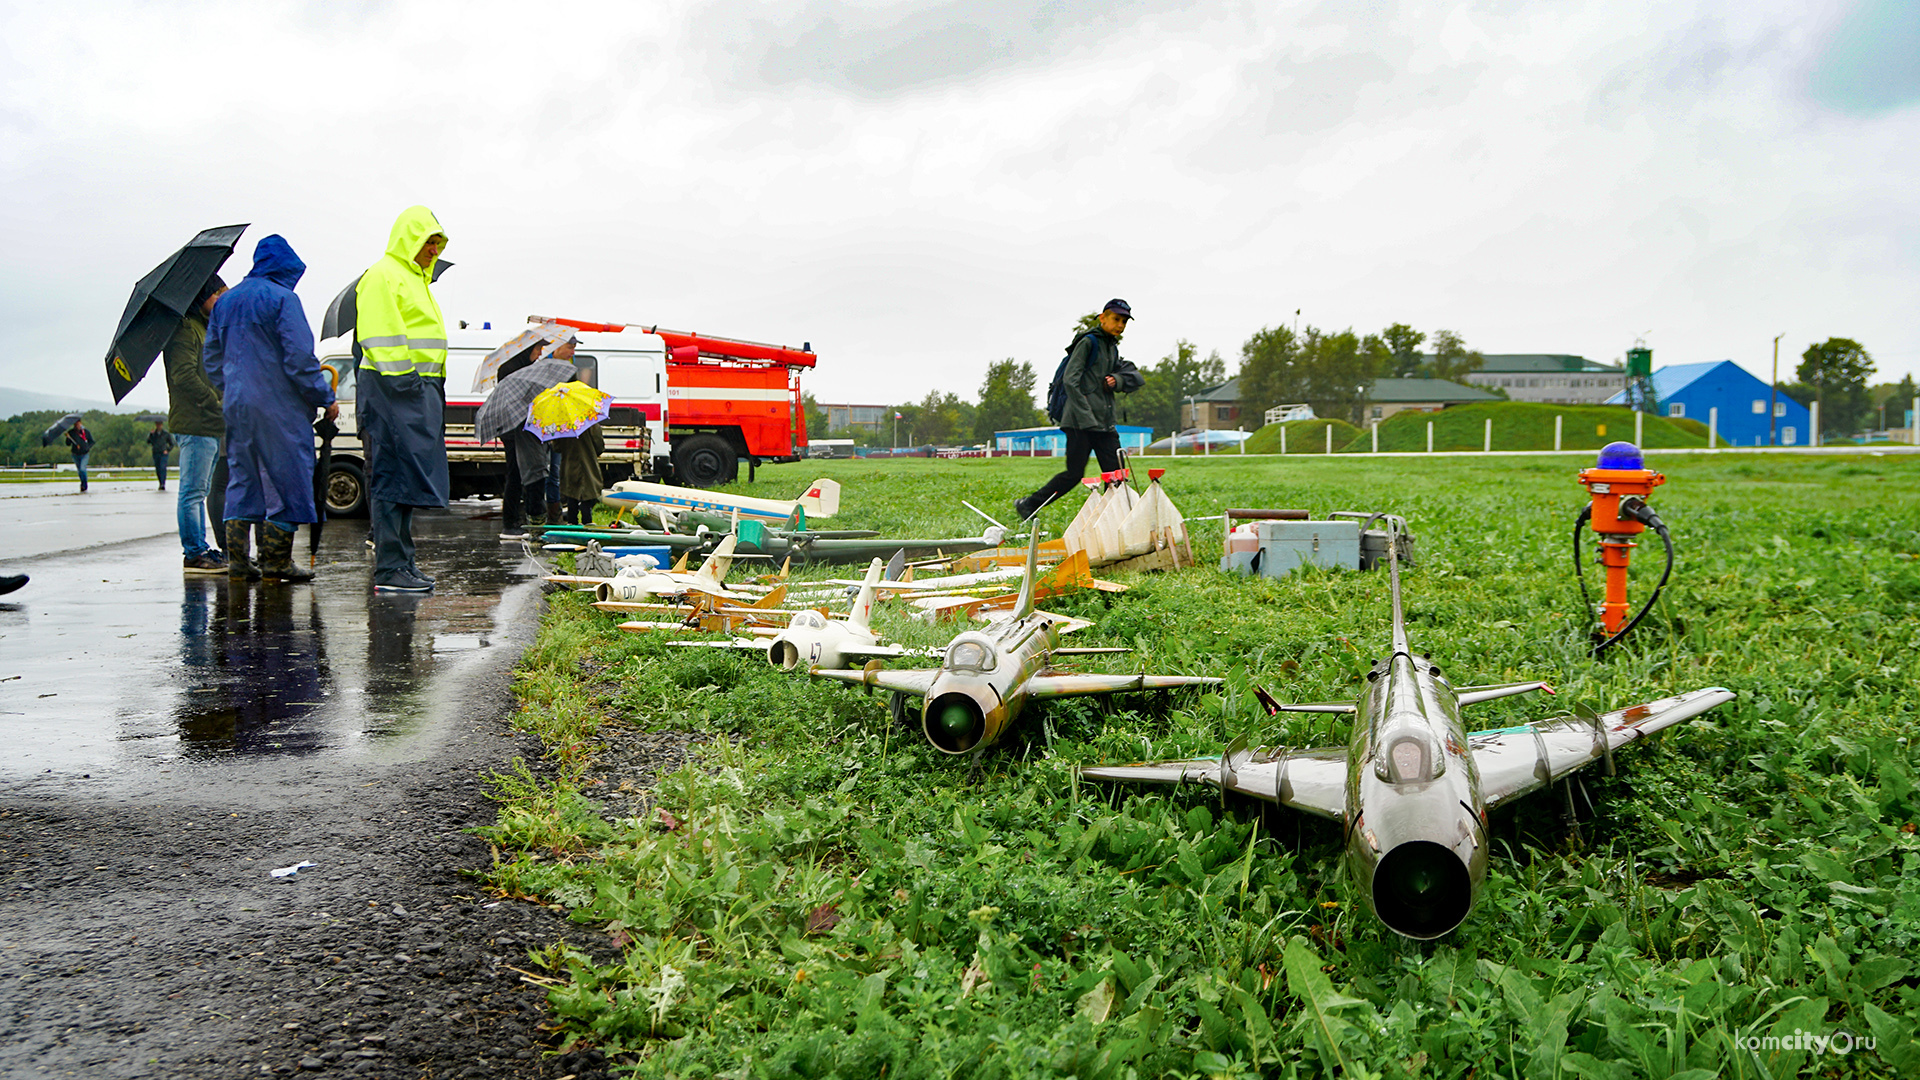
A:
(710, 580)
(987, 676)
(1413, 787)
(820, 500)
(811, 639)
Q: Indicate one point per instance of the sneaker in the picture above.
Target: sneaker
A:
(204, 564)
(402, 582)
(1023, 508)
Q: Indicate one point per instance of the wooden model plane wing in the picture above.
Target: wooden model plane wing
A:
(1514, 761)
(757, 645)
(1313, 781)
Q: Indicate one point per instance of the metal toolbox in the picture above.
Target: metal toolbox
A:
(1284, 545)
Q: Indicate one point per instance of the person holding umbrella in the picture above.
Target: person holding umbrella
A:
(259, 358)
(401, 401)
(193, 416)
(80, 442)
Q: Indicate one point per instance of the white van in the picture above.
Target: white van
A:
(635, 374)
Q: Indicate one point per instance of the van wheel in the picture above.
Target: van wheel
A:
(705, 461)
(346, 490)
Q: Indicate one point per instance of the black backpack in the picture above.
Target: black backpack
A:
(1057, 389)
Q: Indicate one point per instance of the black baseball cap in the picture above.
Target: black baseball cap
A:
(1119, 307)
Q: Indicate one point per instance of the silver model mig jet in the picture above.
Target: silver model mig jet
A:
(813, 640)
(1413, 787)
(988, 675)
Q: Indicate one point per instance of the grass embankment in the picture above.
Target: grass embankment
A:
(1303, 437)
(825, 895)
(1527, 425)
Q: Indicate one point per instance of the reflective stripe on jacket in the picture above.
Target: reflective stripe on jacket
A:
(398, 322)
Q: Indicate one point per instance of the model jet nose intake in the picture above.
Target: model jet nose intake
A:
(785, 655)
(1422, 890)
(954, 723)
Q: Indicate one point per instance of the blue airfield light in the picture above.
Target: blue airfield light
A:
(1621, 455)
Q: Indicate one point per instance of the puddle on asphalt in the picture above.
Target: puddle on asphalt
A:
(150, 665)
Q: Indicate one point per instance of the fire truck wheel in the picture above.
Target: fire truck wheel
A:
(705, 461)
(346, 490)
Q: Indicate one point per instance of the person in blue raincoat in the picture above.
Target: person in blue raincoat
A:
(259, 357)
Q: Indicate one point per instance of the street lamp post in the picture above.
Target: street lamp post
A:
(1773, 402)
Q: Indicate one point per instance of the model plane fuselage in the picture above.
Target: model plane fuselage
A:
(982, 683)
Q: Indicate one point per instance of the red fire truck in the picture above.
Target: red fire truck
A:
(727, 400)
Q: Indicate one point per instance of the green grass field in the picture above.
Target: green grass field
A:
(832, 898)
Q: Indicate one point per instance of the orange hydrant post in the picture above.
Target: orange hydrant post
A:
(1619, 475)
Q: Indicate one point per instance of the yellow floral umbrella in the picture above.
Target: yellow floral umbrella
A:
(567, 410)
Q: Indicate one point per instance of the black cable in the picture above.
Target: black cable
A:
(1641, 512)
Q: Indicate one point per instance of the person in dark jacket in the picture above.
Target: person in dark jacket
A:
(80, 442)
(1094, 373)
(193, 417)
(524, 502)
(161, 444)
(259, 357)
(402, 397)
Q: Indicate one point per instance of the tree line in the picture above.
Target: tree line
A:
(118, 439)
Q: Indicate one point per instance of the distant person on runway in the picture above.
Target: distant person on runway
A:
(162, 444)
(193, 416)
(80, 441)
(259, 357)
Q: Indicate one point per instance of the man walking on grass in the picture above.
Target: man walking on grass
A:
(1093, 373)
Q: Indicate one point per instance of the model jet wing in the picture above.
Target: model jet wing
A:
(916, 681)
(1514, 761)
(1056, 686)
(1314, 781)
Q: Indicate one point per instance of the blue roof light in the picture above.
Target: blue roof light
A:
(1621, 455)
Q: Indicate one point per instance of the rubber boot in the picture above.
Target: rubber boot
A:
(237, 545)
(553, 513)
(276, 557)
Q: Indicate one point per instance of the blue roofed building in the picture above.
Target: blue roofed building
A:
(1052, 442)
(1690, 391)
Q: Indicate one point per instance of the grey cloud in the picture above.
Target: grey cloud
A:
(1871, 63)
(865, 52)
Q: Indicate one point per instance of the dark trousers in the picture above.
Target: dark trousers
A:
(160, 469)
(1080, 443)
(524, 498)
(217, 485)
(392, 539)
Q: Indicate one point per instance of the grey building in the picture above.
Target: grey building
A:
(1554, 378)
(1389, 396)
(857, 417)
(1214, 407)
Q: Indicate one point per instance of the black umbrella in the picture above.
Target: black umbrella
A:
(61, 425)
(150, 418)
(506, 408)
(159, 301)
(343, 312)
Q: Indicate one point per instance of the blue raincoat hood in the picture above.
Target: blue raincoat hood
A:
(273, 259)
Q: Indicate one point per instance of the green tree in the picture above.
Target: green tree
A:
(1270, 372)
(1006, 400)
(1178, 374)
(1898, 400)
(1403, 342)
(1838, 369)
(816, 416)
(1451, 359)
(1339, 373)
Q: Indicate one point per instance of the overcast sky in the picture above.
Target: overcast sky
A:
(921, 188)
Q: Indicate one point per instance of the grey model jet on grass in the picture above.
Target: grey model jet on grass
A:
(811, 639)
(987, 676)
(1413, 787)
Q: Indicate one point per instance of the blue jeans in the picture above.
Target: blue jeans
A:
(196, 470)
(80, 465)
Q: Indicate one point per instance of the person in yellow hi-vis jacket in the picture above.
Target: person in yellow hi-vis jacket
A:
(401, 400)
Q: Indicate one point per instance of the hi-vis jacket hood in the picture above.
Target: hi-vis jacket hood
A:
(398, 322)
(273, 259)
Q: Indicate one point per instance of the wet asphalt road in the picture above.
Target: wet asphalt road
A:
(127, 678)
(169, 740)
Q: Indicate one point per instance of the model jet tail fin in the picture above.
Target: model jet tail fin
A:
(1393, 584)
(1023, 606)
(821, 499)
(862, 609)
(714, 570)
